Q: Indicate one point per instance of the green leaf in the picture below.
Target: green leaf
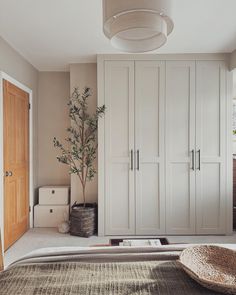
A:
(81, 152)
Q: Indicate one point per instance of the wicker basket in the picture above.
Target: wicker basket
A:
(211, 266)
(83, 220)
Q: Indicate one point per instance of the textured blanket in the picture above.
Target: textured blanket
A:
(86, 278)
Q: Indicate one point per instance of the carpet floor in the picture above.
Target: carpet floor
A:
(49, 237)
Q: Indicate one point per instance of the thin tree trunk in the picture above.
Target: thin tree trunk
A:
(82, 142)
(84, 194)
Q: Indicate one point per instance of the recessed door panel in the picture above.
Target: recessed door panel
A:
(119, 202)
(180, 145)
(149, 218)
(149, 147)
(180, 205)
(210, 146)
(210, 196)
(119, 148)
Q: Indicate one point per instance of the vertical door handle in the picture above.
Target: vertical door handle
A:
(193, 163)
(137, 159)
(199, 160)
(132, 160)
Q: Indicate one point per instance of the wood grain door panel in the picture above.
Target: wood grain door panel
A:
(16, 161)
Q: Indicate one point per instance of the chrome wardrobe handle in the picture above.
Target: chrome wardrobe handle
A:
(199, 160)
(138, 160)
(131, 160)
(193, 163)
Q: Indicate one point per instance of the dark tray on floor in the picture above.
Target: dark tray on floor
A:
(116, 242)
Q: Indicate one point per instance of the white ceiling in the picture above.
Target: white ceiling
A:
(54, 33)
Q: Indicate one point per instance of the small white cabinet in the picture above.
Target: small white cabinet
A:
(164, 145)
(53, 207)
(50, 216)
(54, 195)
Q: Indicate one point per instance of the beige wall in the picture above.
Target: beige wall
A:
(12, 63)
(82, 75)
(233, 60)
(54, 92)
(51, 91)
(234, 83)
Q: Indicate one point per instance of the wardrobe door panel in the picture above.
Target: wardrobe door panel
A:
(181, 210)
(119, 200)
(209, 195)
(149, 146)
(119, 142)
(180, 145)
(210, 146)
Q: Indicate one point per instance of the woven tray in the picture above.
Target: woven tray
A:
(211, 266)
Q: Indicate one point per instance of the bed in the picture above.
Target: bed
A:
(100, 270)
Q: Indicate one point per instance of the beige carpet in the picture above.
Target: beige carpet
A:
(49, 237)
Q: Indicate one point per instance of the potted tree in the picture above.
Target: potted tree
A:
(80, 156)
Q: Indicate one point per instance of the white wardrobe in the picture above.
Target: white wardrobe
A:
(163, 145)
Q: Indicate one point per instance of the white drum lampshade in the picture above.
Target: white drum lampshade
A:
(137, 25)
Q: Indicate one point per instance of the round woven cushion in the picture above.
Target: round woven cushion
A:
(213, 267)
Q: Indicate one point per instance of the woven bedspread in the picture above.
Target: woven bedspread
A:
(118, 278)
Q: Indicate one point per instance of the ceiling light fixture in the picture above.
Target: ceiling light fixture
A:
(137, 25)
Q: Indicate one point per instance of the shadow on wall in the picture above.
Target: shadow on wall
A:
(82, 75)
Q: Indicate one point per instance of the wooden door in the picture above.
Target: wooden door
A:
(119, 148)
(211, 147)
(149, 147)
(16, 163)
(180, 146)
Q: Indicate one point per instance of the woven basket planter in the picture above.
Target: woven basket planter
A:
(83, 220)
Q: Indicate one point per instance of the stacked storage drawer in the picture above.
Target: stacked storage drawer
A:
(53, 207)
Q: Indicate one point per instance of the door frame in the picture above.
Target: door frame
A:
(4, 76)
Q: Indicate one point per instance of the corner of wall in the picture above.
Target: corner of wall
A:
(233, 60)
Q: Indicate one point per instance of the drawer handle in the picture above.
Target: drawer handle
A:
(51, 210)
(53, 192)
